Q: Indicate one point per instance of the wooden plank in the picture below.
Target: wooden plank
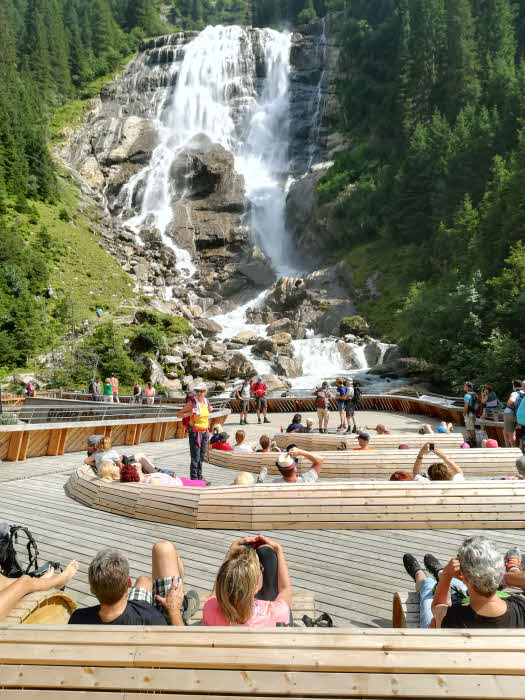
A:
(15, 446)
(130, 434)
(138, 434)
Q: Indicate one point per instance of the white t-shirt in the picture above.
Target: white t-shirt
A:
(242, 448)
(244, 391)
(109, 456)
(422, 477)
(307, 478)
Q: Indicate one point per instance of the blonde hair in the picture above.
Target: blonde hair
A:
(217, 428)
(236, 584)
(108, 471)
(244, 479)
(104, 445)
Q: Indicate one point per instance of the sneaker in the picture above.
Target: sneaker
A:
(266, 420)
(433, 565)
(513, 559)
(411, 565)
(262, 475)
(354, 429)
(190, 605)
(349, 430)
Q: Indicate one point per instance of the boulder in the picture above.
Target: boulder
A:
(392, 354)
(171, 360)
(199, 366)
(288, 293)
(206, 326)
(372, 354)
(154, 372)
(266, 345)
(214, 348)
(220, 386)
(218, 369)
(258, 268)
(196, 310)
(285, 325)
(288, 366)
(348, 356)
(137, 141)
(92, 174)
(282, 338)
(273, 382)
(245, 337)
(240, 366)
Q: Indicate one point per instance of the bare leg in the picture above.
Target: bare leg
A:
(165, 561)
(144, 582)
(420, 577)
(12, 593)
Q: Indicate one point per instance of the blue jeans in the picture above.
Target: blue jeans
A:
(426, 596)
(197, 452)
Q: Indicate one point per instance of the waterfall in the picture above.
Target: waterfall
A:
(216, 94)
(317, 119)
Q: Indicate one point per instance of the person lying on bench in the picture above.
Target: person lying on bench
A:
(158, 600)
(12, 590)
(134, 473)
(380, 429)
(466, 595)
(104, 452)
(443, 427)
(447, 470)
(253, 586)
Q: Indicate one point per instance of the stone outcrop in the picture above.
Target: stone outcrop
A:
(288, 366)
(207, 327)
(285, 325)
(241, 367)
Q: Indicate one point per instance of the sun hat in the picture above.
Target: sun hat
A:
(285, 462)
(200, 386)
(441, 429)
(94, 440)
(465, 446)
(363, 436)
(492, 443)
(403, 446)
(223, 437)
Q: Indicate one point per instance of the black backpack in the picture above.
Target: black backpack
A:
(475, 407)
(357, 396)
(9, 564)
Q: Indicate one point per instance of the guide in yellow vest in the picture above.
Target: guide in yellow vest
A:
(196, 416)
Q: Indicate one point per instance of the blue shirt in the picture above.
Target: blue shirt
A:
(293, 426)
(342, 391)
(468, 399)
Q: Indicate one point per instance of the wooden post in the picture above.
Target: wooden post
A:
(130, 434)
(138, 434)
(155, 432)
(163, 431)
(18, 443)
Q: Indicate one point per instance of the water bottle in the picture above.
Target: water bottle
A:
(282, 431)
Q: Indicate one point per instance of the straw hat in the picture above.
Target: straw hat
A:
(285, 462)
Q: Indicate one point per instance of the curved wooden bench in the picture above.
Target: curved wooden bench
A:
(348, 506)
(405, 609)
(205, 663)
(52, 607)
(314, 442)
(367, 464)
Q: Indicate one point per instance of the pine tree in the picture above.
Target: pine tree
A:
(462, 85)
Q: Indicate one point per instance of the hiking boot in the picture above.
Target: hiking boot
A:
(258, 420)
(262, 475)
(433, 565)
(266, 420)
(513, 559)
(411, 565)
(241, 422)
(349, 430)
(354, 429)
(190, 605)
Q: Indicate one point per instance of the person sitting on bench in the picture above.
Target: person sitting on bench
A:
(363, 440)
(447, 470)
(267, 445)
(466, 595)
(240, 444)
(158, 600)
(12, 590)
(287, 466)
(253, 586)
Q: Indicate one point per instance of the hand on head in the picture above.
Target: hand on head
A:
(453, 569)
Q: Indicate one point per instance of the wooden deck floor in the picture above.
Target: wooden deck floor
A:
(353, 574)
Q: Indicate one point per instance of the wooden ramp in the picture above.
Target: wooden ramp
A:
(373, 464)
(348, 506)
(124, 663)
(317, 442)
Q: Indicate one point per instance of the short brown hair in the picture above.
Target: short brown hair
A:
(439, 472)
(400, 476)
(240, 435)
(108, 576)
(264, 442)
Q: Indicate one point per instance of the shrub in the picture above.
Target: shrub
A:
(353, 324)
(148, 339)
(64, 215)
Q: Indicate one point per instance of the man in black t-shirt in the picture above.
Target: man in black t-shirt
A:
(482, 568)
(158, 600)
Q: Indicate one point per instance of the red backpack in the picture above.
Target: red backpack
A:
(186, 419)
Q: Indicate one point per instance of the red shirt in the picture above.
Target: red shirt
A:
(259, 389)
(224, 446)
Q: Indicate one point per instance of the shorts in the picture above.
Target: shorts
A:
(470, 421)
(261, 402)
(245, 405)
(160, 586)
(322, 414)
(349, 409)
(341, 404)
(509, 422)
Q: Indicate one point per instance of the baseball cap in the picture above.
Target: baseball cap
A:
(223, 437)
(363, 436)
(441, 429)
(94, 440)
(492, 443)
(465, 446)
(285, 462)
(404, 446)
(259, 379)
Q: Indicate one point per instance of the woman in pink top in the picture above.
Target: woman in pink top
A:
(149, 393)
(253, 586)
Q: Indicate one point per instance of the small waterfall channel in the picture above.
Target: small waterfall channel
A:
(231, 85)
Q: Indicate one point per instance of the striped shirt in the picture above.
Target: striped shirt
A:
(308, 477)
